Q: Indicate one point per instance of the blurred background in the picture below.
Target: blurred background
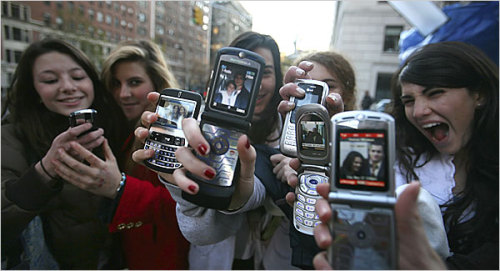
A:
(375, 36)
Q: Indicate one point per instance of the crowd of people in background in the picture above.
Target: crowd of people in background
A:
(73, 199)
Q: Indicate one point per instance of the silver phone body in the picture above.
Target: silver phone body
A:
(313, 139)
(316, 92)
(363, 221)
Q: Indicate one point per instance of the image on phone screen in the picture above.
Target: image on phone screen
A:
(171, 111)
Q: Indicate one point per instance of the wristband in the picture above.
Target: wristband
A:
(45, 170)
(122, 182)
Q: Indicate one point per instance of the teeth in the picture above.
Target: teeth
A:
(70, 100)
(430, 125)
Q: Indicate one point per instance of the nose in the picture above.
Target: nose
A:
(421, 108)
(67, 85)
(124, 91)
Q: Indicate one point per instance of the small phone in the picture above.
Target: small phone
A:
(315, 92)
(313, 151)
(83, 116)
(231, 96)
(362, 191)
(165, 134)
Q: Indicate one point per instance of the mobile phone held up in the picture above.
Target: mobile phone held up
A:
(362, 191)
(313, 151)
(315, 92)
(234, 85)
(83, 116)
(165, 134)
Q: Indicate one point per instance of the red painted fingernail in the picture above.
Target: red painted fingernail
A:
(209, 173)
(248, 144)
(202, 149)
(192, 188)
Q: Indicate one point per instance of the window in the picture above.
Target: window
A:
(6, 31)
(16, 34)
(5, 8)
(59, 5)
(17, 56)
(392, 38)
(100, 16)
(383, 90)
(47, 18)
(71, 6)
(7, 56)
(81, 10)
(109, 20)
(15, 11)
(141, 17)
(91, 14)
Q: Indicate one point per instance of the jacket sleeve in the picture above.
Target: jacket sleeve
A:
(141, 203)
(24, 192)
(204, 226)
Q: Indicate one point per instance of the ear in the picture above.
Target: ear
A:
(479, 99)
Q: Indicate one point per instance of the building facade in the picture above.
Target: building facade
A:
(367, 33)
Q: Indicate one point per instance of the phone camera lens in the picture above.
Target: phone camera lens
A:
(361, 235)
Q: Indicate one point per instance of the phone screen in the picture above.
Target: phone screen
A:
(313, 95)
(312, 140)
(233, 88)
(171, 111)
(362, 160)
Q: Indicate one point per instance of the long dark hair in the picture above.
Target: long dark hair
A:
(262, 129)
(37, 124)
(456, 65)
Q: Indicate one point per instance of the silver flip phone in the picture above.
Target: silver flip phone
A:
(316, 92)
(313, 150)
(166, 135)
(362, 191)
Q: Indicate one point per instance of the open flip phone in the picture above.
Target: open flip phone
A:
(313, 150)
(362, 193)
(227, 115)
(315, 92)
(165, 134)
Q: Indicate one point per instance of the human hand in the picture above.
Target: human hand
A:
(292, 179)
(195, 166)
(281, 167)
(412, 239)
(334, 103)
(89, 141)
(99, 177)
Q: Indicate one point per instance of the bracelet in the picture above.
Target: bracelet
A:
(45, 170)
(122, 182)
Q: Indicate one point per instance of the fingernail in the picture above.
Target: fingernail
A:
(301, 91)
(333, 97)
(247, 145)
(291, 104)
(300, 71)
(202, 149)
(209, 173)
(192, 188)
(308, 64)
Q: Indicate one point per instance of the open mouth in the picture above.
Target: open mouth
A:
(437, 131)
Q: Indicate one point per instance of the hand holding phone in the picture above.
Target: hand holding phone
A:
(234, 85)
(315, 92)
(313, 139)
(166, 135)
(362, 194)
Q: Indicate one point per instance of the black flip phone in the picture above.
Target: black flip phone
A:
(165, 134)
(234, 85)
(83, 116)
(362, 191)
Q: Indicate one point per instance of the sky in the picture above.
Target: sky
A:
(310, 23)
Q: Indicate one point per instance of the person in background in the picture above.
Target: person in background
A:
(367, 101)
(352, 165)
(143, 211)
(52, 80)
(446, 112)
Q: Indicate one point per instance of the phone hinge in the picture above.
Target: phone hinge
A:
(361, 200)
(226, 121)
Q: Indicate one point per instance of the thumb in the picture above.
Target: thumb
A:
(108, 153)
(244, 186)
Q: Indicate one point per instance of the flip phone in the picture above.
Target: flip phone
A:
(362, 191)
(315, 92)
(165, 134)
(234, 85)
(313, 139)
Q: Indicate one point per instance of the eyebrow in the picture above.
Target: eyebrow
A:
(427, 89)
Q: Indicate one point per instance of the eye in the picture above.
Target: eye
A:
(135, 82)
(407, 101)
(49, 81)
(435, 92)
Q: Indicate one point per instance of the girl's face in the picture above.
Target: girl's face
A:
(443, 115)
(131, 85)
(230, 87)
(356, 164)
(62, 84)
(320, 73)
(268, 84)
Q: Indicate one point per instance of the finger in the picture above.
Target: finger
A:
(244, 187)
(194, 136)
(320, 261)
(148, 117)
(93, 144)
(87, 155)
(72, 176)
(323, 210)
(295, 163)
(141, 133)
(293, 73)
(322, 235)
(194, 165)
(140, 155)
(305, 65)
(89, 137)
(291, 90)
(285, 106)
(292, 180)
(183, 182)
(153, 97)
(276, 158)
(74, 132)
(323, 189)
(108, 153)
(290, 198)
(277, 167)
(334, 103)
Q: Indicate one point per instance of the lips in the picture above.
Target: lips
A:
(70, 100)
(436, 131)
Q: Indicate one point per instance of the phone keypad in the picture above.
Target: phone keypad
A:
(304, 208)
(290, 135)
(165, 147)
